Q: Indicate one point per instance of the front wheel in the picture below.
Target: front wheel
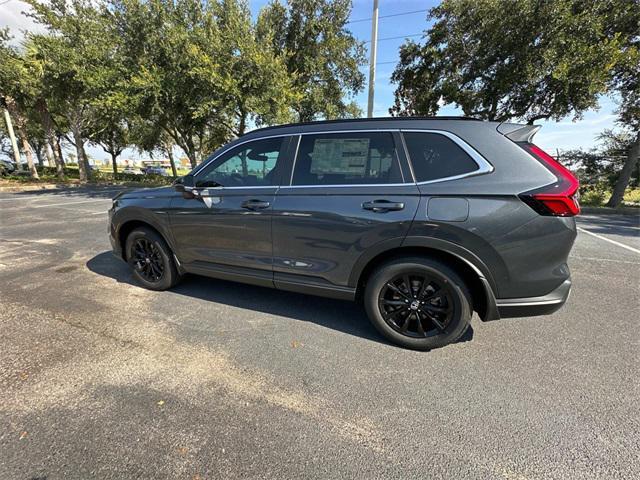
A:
(418, 303)
(151, 259)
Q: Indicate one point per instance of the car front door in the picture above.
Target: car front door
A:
(348, 193)
(226, 226)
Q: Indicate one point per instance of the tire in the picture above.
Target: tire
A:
(161, 273)
(441, 315)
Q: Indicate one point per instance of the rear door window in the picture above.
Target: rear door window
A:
(435, 156)
(351, 158)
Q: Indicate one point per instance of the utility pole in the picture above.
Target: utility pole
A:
(372, 58)
(12, 136)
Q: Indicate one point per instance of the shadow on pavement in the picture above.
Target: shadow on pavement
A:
(343, 316)
(92, 191)
(623, 225)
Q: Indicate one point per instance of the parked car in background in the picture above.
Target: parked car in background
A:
(422, 220)
(131, 170)
(7, 167)
(154, 170)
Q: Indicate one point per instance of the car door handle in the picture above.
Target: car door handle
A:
(255, 204)
(382, 206)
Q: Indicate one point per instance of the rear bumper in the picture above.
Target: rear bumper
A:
(532, 306)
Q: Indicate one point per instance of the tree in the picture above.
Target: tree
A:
(626, 81)
(16, 93)
(526, 59)
(600, 166)
(321, 55)
(258, 87)
(76, 59)
(504, 59)
(197, 70)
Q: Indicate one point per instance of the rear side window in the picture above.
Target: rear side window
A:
(435, 156)
(347, 159)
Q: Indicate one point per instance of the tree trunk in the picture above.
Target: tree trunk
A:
(12, 136)
(191, 155)
(87, 166)
(243, 123)
(54, 154)
(20, 126)
(114, 164)
(169, 149)
(27, 152)
(81, 157)
(59, 149)
(625, 174)
(38, 151)
(48, 151)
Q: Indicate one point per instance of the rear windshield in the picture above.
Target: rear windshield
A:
(435, 156)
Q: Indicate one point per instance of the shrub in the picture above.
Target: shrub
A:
(594, 197)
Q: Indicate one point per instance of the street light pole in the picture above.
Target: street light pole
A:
(372, 58)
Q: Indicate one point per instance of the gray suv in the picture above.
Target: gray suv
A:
(423, 220)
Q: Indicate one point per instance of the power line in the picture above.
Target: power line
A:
(387, 16)
(5, 1)
(396, 38)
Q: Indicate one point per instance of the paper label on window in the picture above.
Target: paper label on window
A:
(340, 156)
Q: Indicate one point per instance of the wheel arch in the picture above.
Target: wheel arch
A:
(129, 225)
(479, 285)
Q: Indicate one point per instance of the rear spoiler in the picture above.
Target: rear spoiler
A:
(518, 132)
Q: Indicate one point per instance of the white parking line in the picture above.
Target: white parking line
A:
(609, 240)
(597, 259)
(71, 203)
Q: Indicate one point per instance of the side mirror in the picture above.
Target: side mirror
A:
(185, 185)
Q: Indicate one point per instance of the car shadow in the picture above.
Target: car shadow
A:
(343, 316)
(89, 191)
(622, 225)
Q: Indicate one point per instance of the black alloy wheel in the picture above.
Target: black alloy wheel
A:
(151, 259)
(147, 260)
(418, 302)
(416, 305)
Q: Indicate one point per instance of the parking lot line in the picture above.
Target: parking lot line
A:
(609, 240)
(71, 203)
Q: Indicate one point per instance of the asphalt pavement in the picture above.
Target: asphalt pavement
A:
(213, 380)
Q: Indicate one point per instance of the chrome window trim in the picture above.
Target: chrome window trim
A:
(352, 185)
(484, 166)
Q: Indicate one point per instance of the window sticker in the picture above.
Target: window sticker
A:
(346, 156)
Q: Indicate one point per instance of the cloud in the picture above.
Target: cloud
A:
(12, 16)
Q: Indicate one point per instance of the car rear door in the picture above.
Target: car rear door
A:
(349, 191)
(226, 227)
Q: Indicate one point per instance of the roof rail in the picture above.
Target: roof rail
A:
(356, 120)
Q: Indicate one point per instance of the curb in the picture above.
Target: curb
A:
(31, 188)
(633, 211)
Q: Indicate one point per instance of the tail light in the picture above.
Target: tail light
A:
(560, 199)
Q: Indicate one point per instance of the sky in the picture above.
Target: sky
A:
(554, 136)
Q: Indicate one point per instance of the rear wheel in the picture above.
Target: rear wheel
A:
(418, 303)
(151, 259)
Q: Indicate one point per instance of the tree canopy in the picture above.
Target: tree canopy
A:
(321, 55)
(528, 60)
(157, 73)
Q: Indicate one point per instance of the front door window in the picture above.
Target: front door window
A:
(254, 164)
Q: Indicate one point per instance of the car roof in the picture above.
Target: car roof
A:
(375, 123)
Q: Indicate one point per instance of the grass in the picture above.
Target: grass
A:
(101, 176)
(596, 196)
